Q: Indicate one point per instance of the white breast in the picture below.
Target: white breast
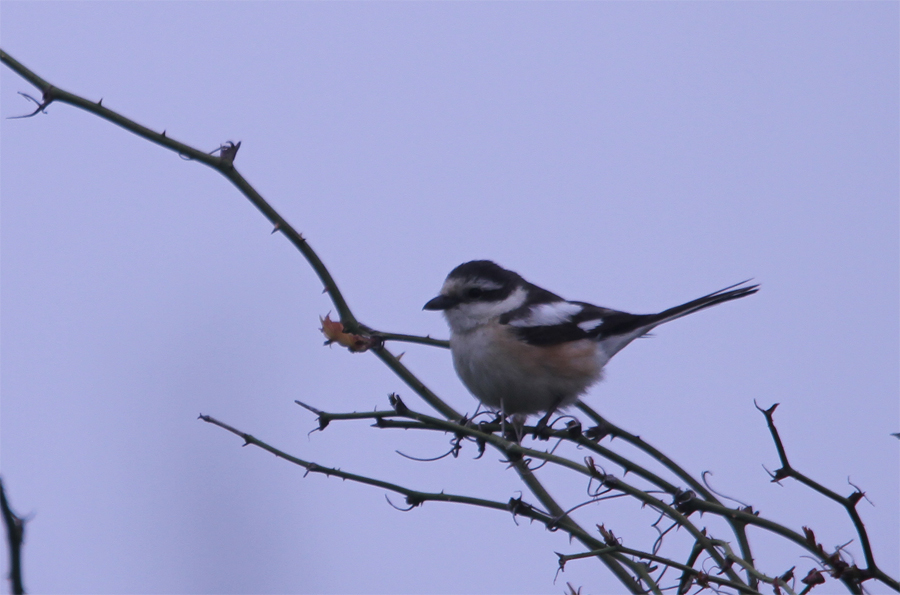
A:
(505, 373)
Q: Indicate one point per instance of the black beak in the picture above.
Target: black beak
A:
(441, 302)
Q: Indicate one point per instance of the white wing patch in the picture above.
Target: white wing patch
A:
(589, 325)
(548, 314)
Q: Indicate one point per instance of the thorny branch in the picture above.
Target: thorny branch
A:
(413, 497)
(839, 568)
(15, 535)
(684, 502)
(695, 576)
(631, 566)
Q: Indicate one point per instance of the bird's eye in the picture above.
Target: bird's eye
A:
(475, 292)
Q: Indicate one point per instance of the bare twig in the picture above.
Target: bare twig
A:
(224, 164)
(851, 575)
(517, 454)
(413, 497)
(412, 339)
(485, 433)
(738, 528)
(691, 572)
(15, 536)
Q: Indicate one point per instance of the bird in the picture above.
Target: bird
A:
(521, 349)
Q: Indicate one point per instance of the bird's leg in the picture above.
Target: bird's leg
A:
(542, 425)
(540, 429)
(517, 422)
(502, 419)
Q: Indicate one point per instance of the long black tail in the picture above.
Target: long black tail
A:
(732, 292)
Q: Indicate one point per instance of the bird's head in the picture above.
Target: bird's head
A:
(478, 292)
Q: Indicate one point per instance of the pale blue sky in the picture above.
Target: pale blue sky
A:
(634, 155)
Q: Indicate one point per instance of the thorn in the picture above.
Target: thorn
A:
(100, 103)
(277, 227)
(780, 474)
(228, 152)
(813, 578)
(308, 407)
(398, 405)
(164, 133)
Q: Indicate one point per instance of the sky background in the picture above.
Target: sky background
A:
(634, 155)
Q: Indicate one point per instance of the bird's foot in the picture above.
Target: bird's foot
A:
(542, 428)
